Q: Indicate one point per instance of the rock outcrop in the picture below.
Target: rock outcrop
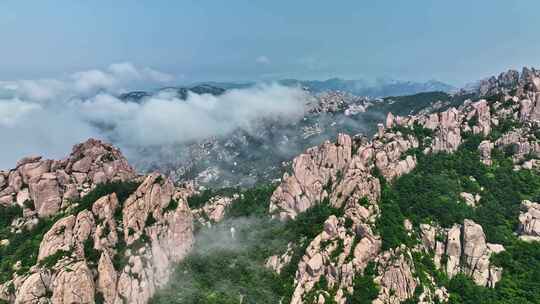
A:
(122, 251)
(484, 149)
(44, 186)
(470, 199)
(312, 171)
(341, 173)
(214, 210)
(511, 80)
(396, 279)
(112, 252)
(482, 118)
(464, 248)
(157, 212)
(278, 261)
(338, 253)
(529, 221)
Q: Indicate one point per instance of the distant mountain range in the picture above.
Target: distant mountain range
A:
(381, 88)
(180, 92)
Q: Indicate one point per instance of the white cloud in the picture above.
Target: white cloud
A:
(164, 120)
(35, 90)
(11, 111)
(34, 129)
(114, 79)
(117, 77)
(48, 116)
(263, 60)
(92, 80)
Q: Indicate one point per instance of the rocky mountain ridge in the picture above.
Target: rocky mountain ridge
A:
(341, 174)
(108, 235)
(245, 158)
(48, 184)
(97, 232)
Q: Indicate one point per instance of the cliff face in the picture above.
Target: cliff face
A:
(342, 174)
(463, 248)
(98, 249)
(529, 221)
(101, 234)
(46, 185)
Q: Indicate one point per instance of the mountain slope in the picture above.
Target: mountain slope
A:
(87, 229)
(435, 207)
(246, 157)
(426, 212)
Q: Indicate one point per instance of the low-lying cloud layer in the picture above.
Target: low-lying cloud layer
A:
(47, 116)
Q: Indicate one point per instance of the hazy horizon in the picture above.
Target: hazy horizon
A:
(208, 41)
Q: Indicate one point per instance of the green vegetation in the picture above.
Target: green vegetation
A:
(8, 214)
(24, 246)
(223, 270)
(321, 288)
(504, 126)
(431, 194)
(225, 276)
(100, 299)
(51, 260)
(122, 190)
(390, 223)
(365, 289)
(252, 202)
(150, 220)
(197, 201)
(92, 255)
(404, 105)
(171, 206)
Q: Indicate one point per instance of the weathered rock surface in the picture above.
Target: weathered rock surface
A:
(311, 172)
(279, 261)
(335, 255)
(34, 289)
(332, 171)
(214, 210)
(396, 279)
(482, 116)
(144, 235)
(518, 144)
(45, 185)
(529, 221)
(73, 284)
(465, 250)
(470, 199)
(170, 237)
(510, 80)
(448, 133)
(340, 174)
(484, 149)
(136, 241)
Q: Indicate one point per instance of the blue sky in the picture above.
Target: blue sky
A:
(454, 41)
